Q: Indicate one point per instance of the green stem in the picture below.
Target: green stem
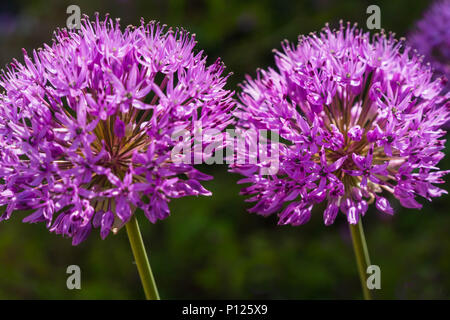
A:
(143, 265)
(362, 255)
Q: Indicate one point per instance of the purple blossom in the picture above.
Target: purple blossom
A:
(359, 117)
(355, 133)
(366, 170)
(86, 125)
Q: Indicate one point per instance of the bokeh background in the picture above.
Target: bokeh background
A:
(211, 247)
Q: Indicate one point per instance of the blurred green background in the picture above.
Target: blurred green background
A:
(211, 247)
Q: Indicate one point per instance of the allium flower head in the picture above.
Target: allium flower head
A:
(86, 125)
(358, 118)
(431, 37)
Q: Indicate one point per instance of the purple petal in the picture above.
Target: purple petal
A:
(353, 215)
(355, 133)
(97, 220)
(383, 205)
(119, 128)
(123, 210)
(81, 234)
(360, 161)
(330, 213)
(106, 224)
(336, 165)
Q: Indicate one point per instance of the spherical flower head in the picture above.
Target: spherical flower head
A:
(86, 125)
(431, 37)
(358, 118)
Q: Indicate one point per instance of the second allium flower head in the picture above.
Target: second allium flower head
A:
(86, 125)
(431, 37)
(359, 116)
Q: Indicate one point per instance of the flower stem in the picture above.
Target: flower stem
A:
(362, 255)
(143, 265)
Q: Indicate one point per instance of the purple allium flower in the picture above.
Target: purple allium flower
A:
(431, 37)
(86, 125)
(358, 116)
